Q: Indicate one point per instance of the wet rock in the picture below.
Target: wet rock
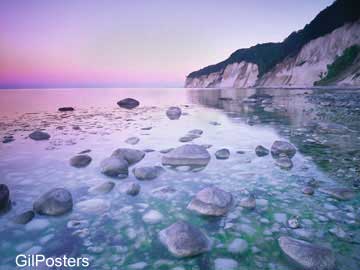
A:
(222, 154)
(282, 148)
(165, 151)
(8, 139)
(131, 188)
(214, 123)
(238, 246)
(211, 201)
(4, 197)
(152, 217)
(307, 255)
(128, 103)
(184, 240)
(187, 138)
(294, 222)
(261, 151)
(115, 167)
(24, 218)
(80, 161)
(102, 188)
(173, 113)
(55, 202)
(66, 109)
(249, 202)
(308, 190)
(339, 193)
(97, 206)
(284, 162)
(225, 264)
(147, 172)
(187, 155)
(132, 140)
(39, 135)
(132, 156)
(196, 132)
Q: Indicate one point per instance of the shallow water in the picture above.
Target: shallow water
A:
(117, 237)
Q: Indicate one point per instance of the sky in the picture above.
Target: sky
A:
(134, 43)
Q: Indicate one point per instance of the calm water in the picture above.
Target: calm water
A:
(323, 125)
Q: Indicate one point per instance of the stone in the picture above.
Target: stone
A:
(80, 161)
(152, 217)
(39, 135)
(238, 246)
(222, 153)
(261, 151)
(147, 172)
(307, 255)
(115, 167)
(294, 222)
(211, 201)
(308, 190)
(66, 109)
(55, 202)
(132, 140)
(8, 139)
(132, 156)
(282, 147)
(225, 264)
(249, 202)
(4, 197)
(97, 206)
(131, 188)
(102, 188)
(173, 113)
(167, 150)
(187, 155)
(128, 103)
(184, 240)
(339, 193)
(284, 162)
(24, 217)
(196, 132)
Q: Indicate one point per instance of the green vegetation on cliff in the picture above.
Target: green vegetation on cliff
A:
(267, 55)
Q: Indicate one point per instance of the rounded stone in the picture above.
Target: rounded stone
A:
(187, 155)
(96, 206)
(249, 202)
(128, 103)
(147, 172)
(225, 264)
(24, 217)
(308, 190)
(152, 217)
(222, 153)
(284, 162)
(115, 167)
(132, 156)
(282, 147)
(131, 188)
(261, 151)
(39, 135)
(55, 202)
(173, 113)
(238, 246)
(80, 161)
(102, 188)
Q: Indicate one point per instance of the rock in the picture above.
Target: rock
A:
(152, 217)
(4, 197)
(132, 156)
(187, 155)
(115, 167)
(222, 154)
(80, 161)
(339, 193)
(261, 151)
(284, 162)
(282, 147)
(214, 123)
(338, 232)
(132, 140)
(211, 201)
(147, 172)
(137, 266)
(66, 109)
(131, 188)
(249, 202)
(280, 217)
(307, 255)
(173, 113)
(225, 264)
(55, 202)
(128, 103)
(294, 222)
(102, 188)
(24, 218)
(187, 138)
(8, 139)
(308, 190)
(97, 206)
(238, 246)
(39, 135)
(196, 132)
(163, 192)
(184, 240)
(165, 151)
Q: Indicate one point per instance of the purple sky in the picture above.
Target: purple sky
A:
(134, 43)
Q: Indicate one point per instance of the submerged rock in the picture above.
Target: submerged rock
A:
(307, 255)
(283, 148)
(131, 188)
(222, 153)
(308, 190)
(55, 202)
(173, 113)
(184, 240)
(211, 201)
(132, 156)
(187, 155)
(66, 109)
(196, 132)
(339, 193)
(102, 188)
(261, 151)
(132, 140)
(284, 162)
(128, 103)
(152, 217)
(225, 264)
(39, 135)
(96, 206)
(115, 167)
(249, 202)
(238, 246)
(80, 161)
(4, 197)
(147, 172)
(294, 222)
(24, 218)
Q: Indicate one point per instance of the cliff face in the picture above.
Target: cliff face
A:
(302, 70)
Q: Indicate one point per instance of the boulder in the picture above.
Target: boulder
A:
(147, 172)
(261, 151)
(187, 155)
(307, 255)
(39, 135)
(128, 103)
(55, 202)
(132, 156)
(66, 109)
(184, 240)
(339, 193)
(4, 197)
(115, 167)
(211, 201)
(173, 113)
(281, 147)
(222, 154)
(80, 161)
(24, 218)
